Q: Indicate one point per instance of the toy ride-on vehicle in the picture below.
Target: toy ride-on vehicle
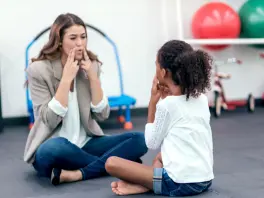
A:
(220, 103)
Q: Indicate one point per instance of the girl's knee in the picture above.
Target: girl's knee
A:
(111, 163)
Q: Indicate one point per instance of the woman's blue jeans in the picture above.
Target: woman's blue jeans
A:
(90, 160)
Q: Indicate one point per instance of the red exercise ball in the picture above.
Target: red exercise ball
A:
(216, 20)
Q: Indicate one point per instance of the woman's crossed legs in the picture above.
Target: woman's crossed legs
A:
(71, 163)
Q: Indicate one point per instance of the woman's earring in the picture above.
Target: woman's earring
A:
(59, 48)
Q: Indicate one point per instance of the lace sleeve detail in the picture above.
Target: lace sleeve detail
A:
(156, 132)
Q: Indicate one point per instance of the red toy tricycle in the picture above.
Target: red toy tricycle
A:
(220, 101)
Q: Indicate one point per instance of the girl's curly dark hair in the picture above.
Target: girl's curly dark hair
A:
(190, 69)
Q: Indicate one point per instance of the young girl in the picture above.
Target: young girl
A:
(180, 123)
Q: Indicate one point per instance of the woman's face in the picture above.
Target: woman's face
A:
(74, 37)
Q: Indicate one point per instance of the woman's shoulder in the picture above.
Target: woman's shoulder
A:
(97, 66)
(38, 67)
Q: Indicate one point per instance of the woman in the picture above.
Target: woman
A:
(66, 143)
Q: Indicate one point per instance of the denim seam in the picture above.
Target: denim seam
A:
(104, 155)
(195, 190)
(114, 148)
(82, 172)
(172, 192)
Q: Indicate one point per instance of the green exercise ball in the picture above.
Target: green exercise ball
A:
(252, 20)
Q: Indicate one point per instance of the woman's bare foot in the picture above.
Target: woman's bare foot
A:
(70, 176)
(125, 188)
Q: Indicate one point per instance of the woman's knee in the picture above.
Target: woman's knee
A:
(46, 155)
(53, 146)
(139, 140)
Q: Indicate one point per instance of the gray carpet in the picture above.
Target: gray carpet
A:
(238, 153)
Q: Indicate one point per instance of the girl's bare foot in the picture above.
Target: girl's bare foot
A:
(125, 188)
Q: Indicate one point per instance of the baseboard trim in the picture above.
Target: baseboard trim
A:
(16, 121)
(135, 112)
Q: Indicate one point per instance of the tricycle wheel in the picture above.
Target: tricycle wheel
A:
(251, 103)
(217, 104)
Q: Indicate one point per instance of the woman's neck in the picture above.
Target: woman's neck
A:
(63, 59)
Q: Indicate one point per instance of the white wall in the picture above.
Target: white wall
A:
(247, 77)
(133, 24)
(138, 28)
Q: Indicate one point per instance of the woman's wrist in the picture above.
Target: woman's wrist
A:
(94, 79)
(66, 81)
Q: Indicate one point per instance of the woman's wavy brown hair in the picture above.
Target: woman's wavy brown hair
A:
(51, 50)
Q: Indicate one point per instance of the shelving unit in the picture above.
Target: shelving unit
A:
(207, 41)
(180, 36)
(224, 41)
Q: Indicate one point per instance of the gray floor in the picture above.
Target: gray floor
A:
(239, 163)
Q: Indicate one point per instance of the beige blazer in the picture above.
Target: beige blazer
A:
(44, 78)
